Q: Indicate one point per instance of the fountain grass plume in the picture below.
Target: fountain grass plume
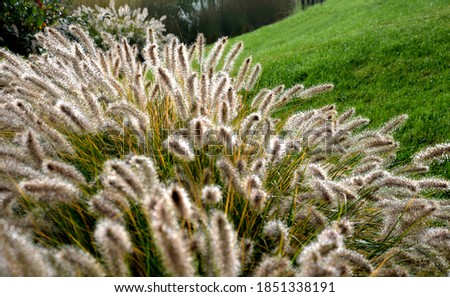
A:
(114, 244)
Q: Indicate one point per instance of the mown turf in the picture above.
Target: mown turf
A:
(386, 57)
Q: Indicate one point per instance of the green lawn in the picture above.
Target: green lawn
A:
(386, 57)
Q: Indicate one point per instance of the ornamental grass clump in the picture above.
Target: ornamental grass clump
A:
(121, 22)
(166, 162)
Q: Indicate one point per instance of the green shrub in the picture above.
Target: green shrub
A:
(20, 20)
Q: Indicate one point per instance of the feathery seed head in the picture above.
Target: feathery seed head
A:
(215, 54)
(274, 267)
(224, 112)
(276, 230)
(343, 227)
(200, 46)
(229, 174)
(317, 171)
(19, 256)
(312, 216)
(394, 124)
(125, 173)
(114, 244)
(152, 55)
(437, 152)
(289, 94)
(79, 263)
(174, 250)
(51, 190)
(266, 103)
(179, 148)
(180, 201)
(257, 199)
(345, 116)
(105, 208)
(253, 77)
(167, 80)
(257, 99)
(198, 128)
(211, 195)
(252, 182)
(226, 137)
(146, 167)
(224, 243)
(310, 92)
(398, 182)
(183, 60)
(248, 123)
(232, 56)
(63, 170)
(74, 116)
(346, 257)
(259, 167)
(325, 191)
(374, 176)
(433, 183)
(242, 74)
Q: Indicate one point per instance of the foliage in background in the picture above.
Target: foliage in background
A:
(122, 22)
(20, 20)
(172, 165)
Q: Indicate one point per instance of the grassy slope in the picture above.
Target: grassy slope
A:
(386, 57)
